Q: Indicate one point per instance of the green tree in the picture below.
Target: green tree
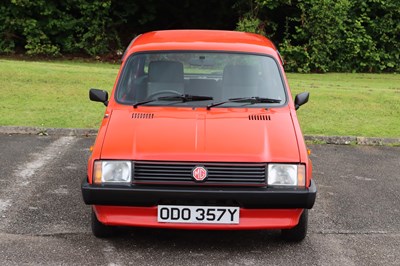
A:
(257, 16)
(313, 35)
(54, 27)
(344, 36)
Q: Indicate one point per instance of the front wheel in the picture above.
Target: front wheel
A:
(299, 232)
(100, 230)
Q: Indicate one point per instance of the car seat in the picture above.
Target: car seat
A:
(165, 76)
(240, 81)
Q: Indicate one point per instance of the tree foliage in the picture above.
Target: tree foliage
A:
(313, 35)
(53, 27)
(344, 36)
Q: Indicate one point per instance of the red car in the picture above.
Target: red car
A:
(200, 132)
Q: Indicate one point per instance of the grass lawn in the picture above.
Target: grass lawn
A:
(52, 94)
(55, 94)
(349, 104)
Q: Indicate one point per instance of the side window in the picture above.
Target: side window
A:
(132, 80)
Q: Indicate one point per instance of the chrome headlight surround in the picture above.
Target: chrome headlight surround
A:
(287, 175)
(112, 172)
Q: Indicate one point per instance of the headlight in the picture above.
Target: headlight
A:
(286, 175)
(112, 172)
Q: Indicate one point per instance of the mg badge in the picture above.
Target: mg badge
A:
(199, 173)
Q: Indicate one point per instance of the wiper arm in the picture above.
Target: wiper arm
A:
(216, 104)
(186, 98)
(183, 98)
(143, 102)
(250, 100)
(253, 100)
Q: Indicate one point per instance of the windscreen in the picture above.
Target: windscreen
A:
(160, 78)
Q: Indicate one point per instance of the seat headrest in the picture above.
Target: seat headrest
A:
(165, 71)
(240, 75)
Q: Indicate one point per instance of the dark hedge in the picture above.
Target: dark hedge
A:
(312, 35)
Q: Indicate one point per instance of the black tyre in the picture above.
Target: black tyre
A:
(299, 232)
(100, 230)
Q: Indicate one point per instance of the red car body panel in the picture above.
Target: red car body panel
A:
(189, 135)
(202, 40)
(250, 219)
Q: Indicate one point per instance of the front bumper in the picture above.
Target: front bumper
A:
(251, 198)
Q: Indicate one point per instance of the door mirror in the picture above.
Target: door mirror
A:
(301, 99)
(98, 96)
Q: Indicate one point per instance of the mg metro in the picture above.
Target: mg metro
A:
(200, 132)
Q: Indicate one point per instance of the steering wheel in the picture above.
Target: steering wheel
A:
(157, 93)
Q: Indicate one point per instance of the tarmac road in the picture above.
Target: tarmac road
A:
(43, 220)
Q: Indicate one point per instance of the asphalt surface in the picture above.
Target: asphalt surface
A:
(43, 220)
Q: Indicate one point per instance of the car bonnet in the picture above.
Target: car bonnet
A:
(184, 134)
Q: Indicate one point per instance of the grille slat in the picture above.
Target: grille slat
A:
(260, 117)
(240, 172)
(218, 173)
(162, 171)
(236, 168)
(236, 176)
(239, 180)
(169, 178)
(139, 175)
(142, 116)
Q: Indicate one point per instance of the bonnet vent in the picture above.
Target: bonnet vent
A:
(259, 117)
(142, 116)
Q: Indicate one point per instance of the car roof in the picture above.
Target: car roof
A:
(201, 40)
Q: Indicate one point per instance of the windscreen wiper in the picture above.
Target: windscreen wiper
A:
(183, 98)
(143, 102)
(186, 98)
(250, 100)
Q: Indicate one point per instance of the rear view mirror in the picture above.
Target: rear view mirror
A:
(98, 96)
(301, 99)
(202, 61)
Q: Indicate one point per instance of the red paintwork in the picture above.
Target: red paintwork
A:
(202, 40)
(195, 135)
(201, 135)
(249, 218)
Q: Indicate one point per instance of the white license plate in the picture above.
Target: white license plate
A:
(197, 214)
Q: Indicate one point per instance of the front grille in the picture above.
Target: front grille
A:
(251, 174)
